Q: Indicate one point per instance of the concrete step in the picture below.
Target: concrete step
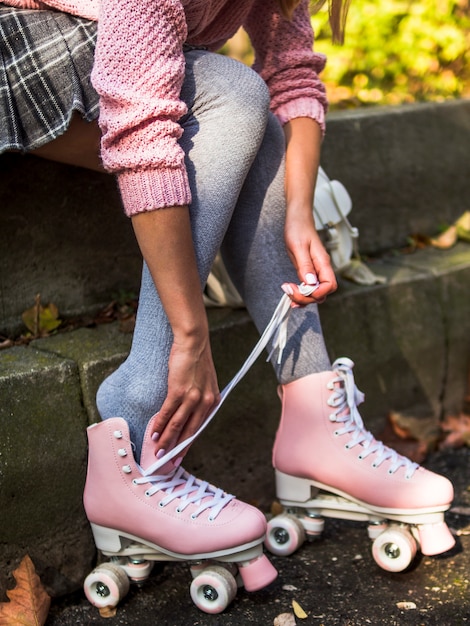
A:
(409, 339)
(63, 233)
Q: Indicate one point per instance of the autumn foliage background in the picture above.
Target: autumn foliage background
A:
(395, 52)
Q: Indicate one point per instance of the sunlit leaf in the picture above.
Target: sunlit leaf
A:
(29, 603)
(446, 240)
(463, 226)
(298, 610)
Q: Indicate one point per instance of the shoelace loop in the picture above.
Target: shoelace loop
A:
(188, 489)
(344, 399)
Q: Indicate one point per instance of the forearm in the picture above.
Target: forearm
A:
(305, 249)
(165, 239)
(303, 138)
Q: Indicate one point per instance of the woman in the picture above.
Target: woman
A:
(211, 155)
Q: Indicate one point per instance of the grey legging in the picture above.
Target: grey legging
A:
(234, 155)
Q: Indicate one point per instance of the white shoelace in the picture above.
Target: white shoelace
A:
(345, 400)
(178, 484)
(190, 489)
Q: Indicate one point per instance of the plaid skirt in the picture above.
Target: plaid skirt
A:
(46, 59)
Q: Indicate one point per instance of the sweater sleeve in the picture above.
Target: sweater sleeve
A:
(285, 58)
(138, 73)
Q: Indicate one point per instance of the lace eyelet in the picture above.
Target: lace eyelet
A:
(390, 471)
(127, 469)
(211, 519)
(147, 493)
(193, 517)
(336, 433)
(118, 434)
(160, 504)
(360, 457)
(122, 452)
(178, 510)
(374, 465)
(134, 481)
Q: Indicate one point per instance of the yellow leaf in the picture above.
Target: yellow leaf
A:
(40, 320)
(463, 226)
(447, 239)
(298, 610)
(29, 603)
(48, 318)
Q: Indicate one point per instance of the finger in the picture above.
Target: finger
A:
(301, 297)
(195, 423)
(185, 421)
(163, 416)
(169, 435)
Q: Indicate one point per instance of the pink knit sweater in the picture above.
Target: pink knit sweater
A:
(139, 70)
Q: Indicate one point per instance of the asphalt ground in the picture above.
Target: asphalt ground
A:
(334, 579)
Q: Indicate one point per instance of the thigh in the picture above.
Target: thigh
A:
(228, 108)
(254, 250)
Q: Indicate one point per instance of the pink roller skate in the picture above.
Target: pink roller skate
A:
(328, 465)
(141, 516)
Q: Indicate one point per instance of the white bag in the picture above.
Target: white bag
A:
(331, 207)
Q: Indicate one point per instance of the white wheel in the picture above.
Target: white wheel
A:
(213, 589)
(285, 535)
(106, 585)
(394, 549)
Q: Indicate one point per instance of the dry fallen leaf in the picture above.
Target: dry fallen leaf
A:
(456, 431)
(407, 606)
(108, 611)
(463, 226)
(285, 619)
(276, 508)
(446, 239)
(41, 320)
(458, 230)
(410, 435)
(298, 610)
(29, 603)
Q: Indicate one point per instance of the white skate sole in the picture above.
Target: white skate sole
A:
(396, 533)
(216, 575)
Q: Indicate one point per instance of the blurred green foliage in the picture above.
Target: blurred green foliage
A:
(394, 52)
(397, 52)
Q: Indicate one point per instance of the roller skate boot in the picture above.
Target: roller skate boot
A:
(139, 515)
(328, 465)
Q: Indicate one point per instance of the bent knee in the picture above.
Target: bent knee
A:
(224, 84)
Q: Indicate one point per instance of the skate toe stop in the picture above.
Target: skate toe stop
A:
(258, 573)
(435, 538)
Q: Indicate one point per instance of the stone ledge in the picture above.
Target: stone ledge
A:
(63, 233)
(408, 338)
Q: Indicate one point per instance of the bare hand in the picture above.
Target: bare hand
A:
(311, 261)
(193, 393)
